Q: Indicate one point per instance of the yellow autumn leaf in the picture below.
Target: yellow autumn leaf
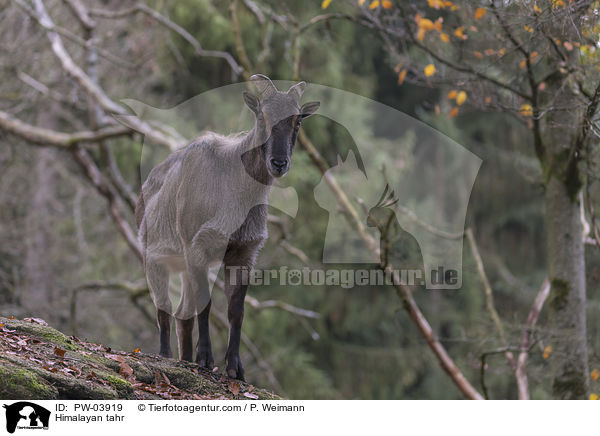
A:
(527, 111)
(461, 97)
(452, 94)
(594, 396)
(387, 4)
(478, 54)
(537, 9)
(528, 28)
(523, 64)
(453, 112)
(594, 375)
(429, 70)
(325, 4)
(444, 37)
(425, 23)
(401, 77)
(374, 4)
(479, 13)
(548, 349)
(137, 350)
(459, 32)
(436, 4)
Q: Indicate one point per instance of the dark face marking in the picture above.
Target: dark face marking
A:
(279, 147)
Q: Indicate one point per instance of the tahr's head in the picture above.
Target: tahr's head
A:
(278, 118)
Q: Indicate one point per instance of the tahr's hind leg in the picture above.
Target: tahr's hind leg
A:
(195, 302)
(157, 276)
(204, 356)
(185, 328)
(164, 329)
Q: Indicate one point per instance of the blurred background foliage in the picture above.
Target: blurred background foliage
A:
(55, 233)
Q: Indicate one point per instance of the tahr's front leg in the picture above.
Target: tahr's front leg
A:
(236, 294)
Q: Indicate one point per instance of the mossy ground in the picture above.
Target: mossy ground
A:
(39, 362)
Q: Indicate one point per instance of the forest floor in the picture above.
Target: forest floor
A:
(39, 362)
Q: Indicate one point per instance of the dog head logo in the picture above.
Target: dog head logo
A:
(26, 415)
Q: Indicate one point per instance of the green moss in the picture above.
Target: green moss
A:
(560, 294)
(570, 386)
(572, 179)
(45, 333)
(123, 387)
(566, 168)
(19, 383)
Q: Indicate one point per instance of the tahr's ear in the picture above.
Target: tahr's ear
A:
(252, 102)
(297, 90)
(309, 108)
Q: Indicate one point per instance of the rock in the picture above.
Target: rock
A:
(40, 362)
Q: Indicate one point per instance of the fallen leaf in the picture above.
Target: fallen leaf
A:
(374, 4)
(137, 350)
(453, 112)
(595, 374)
(59, 352)
(35, 321)
(461, 97)
(234, 388)
(325, 4)
(125, 370)
(115, 357)
(387, 4)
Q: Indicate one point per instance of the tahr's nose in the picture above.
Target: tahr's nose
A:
(279, 164)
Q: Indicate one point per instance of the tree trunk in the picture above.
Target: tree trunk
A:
(567, 303)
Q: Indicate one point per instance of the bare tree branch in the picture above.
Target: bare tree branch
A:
(140, 7)
(47, 137)
(534, 313)
(107, 191)
(489, 296)
(404, 292)
(88, 84)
